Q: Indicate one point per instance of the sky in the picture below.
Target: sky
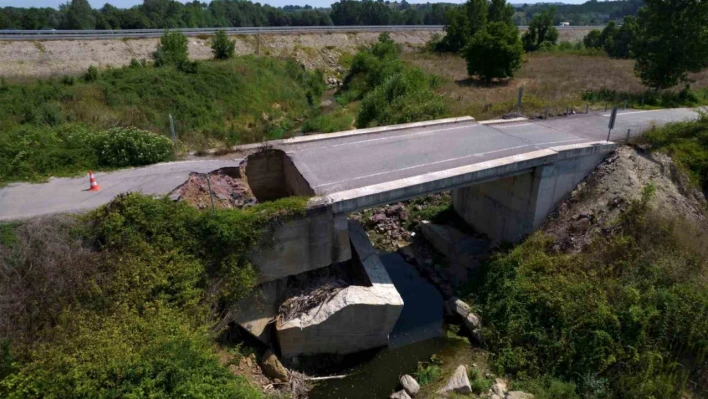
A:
(276, 3)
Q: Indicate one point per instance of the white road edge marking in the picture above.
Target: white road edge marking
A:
(635, 112)
(387, 138)
(446, 160)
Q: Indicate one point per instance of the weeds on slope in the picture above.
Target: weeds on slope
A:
(626, 318)
(120, 302)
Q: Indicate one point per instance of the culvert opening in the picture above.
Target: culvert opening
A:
(272, 174)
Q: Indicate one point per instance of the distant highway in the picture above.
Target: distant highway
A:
(48, 34)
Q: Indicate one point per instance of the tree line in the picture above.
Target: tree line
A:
(161, 14)
(667, 40)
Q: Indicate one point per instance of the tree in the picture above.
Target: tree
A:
(541, 30)
(463, 23)
(671, 40)
(494, 52)
(593, 39)
(500, 11)
(79, 15)
(624, 39)
(172, 50)
(222, 47)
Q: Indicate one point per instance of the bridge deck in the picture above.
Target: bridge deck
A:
(353, 162)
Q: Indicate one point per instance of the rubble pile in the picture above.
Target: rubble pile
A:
(227, 191)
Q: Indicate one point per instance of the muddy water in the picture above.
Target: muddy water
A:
(415, 338)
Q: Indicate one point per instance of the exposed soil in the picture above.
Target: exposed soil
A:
(228, 189)
(608, 191)
(26, 59)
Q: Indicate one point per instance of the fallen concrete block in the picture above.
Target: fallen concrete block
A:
(257, 311)
(356, 318)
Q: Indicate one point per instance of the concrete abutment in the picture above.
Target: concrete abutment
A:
(511, 208)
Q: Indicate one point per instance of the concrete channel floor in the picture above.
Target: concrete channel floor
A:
(357, 161)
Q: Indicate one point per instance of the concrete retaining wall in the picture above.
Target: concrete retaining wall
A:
(355, 319)
(303, 244)
(272, 175)
(511, 208)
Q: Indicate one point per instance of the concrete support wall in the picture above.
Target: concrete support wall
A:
(303, 244)
(511, 208)
(272, 175)
(355, 319)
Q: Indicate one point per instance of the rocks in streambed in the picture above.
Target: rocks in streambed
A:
(400, 395)
(499, 388)
(409, 384)
(472, 322)
(272, 367)
(458, 383)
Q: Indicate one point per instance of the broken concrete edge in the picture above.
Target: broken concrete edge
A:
(503, 121)
(380, 129)
(449, 179)
(381, 292)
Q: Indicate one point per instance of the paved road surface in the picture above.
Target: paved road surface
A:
(355, 161)
(24, 200)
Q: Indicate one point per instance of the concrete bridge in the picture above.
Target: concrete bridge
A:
(506, 177)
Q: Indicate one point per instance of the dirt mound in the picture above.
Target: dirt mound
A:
(608, 191)
(228, 191)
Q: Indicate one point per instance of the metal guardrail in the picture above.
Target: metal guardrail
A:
(142, 33)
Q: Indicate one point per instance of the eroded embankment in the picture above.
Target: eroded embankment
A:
(62, 57)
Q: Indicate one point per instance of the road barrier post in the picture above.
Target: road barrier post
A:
(611, 126)
(587, 108)
(628, 131)
(211, 194)
(172, 129)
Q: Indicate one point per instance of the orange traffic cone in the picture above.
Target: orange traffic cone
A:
(92, 179)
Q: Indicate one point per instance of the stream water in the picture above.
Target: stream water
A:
(417, 336)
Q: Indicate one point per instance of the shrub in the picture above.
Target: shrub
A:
(172, 50)
(91, 74)
(121, 147)
(158, 353)
(222, 47)
(628, 309)
(494, 52)
(391, 91)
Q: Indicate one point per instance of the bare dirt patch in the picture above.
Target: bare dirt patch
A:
(228, 190)
(23, 59)
(598, 201)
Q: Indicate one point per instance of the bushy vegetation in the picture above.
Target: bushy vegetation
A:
(625, 318)
(173, 50)
(222, 47)
(237, 101)
(390, 90)
(616, 41)
(541, 31)
(31, 153)
(429, 372)
(649, 98)
(494, 52)
(687, 144)
(120, 302)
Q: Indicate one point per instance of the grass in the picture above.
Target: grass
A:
(626, 317)
(553, 80)
(122, 302)
(226, 102)
(686, 143)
